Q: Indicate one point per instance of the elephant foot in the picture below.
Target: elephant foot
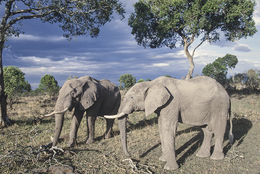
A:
(162, 158)
(90, 141)
(217, 156)
(202, 154)
(171, 166)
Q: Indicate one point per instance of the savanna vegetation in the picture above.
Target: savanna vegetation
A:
(25, 145)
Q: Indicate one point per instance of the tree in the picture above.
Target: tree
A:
(82, 17)
(128, 80)
(219, 68)
(15, 83)
(172, 23)
(48, 84)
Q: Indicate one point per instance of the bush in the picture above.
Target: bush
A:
(140, 80)
(219, 68)
(49, 85)
(253, 80)
(249, 81)
(126, 81)
(15, 83)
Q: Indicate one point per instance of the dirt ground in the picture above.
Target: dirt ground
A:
(25, 148)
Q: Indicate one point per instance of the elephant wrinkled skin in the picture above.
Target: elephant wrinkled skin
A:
(200, 101)
(85, 94)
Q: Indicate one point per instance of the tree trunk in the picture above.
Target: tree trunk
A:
(4, 120)
(191, 63)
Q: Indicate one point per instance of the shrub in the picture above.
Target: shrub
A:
(126, 81)
(49, 85)
(15, 83)
(249, 81)
(219, 68)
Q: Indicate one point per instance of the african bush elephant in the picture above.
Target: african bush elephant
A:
(85, 94)
(200, 101)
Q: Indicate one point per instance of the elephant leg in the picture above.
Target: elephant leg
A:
(168, 128)
(163, 157)
(219, 131)
(205, 147)
(91, 129)
(109, 128)
(76, 119)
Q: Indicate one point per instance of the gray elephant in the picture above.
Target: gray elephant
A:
(200, 101)
(85, 94)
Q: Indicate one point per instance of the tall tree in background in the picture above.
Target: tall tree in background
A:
(81, 17)
(173, 23)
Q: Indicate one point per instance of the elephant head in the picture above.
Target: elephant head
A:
(144, 96)
(82, 92)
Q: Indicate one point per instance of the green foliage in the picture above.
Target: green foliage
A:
(140, 80)
(219, 68)
(127, 80)
(48, 84)
(157, 23)
(15, 81)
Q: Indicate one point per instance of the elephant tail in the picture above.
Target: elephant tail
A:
(230, 136)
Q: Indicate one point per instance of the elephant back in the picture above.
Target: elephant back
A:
(111, 97)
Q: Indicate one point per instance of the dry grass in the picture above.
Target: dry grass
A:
(21, 149)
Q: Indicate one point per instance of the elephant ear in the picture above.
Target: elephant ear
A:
(89, 94)
(156, 97)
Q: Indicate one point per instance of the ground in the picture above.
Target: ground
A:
(24, 146)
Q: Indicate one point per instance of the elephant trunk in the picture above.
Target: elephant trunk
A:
(123, 136)
(59, 119)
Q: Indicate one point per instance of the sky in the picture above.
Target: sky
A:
(43, 50)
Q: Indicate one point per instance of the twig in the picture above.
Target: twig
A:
(144, 169)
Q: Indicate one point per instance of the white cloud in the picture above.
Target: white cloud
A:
(241, 48)
(67, 66)
(29, 37)
(160, 64)
(178, 54)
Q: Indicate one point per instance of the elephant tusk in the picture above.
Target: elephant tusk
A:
(56, 112)
(114, 116)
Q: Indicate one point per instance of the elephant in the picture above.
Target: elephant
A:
(200, 101)
(85, 94)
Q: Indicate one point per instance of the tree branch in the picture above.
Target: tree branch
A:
(193, 52)
(27, 17)
(30, 10)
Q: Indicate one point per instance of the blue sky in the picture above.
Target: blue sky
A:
(42, 50)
